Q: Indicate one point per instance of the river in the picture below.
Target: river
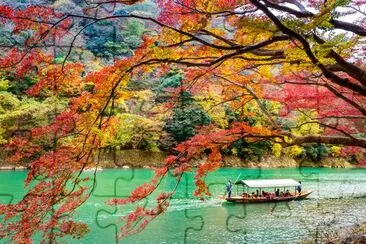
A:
(338, 200)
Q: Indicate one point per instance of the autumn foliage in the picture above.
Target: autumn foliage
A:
(291, 72)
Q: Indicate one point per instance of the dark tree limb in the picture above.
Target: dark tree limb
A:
(351, 69)
(338, 24)
(327, 73)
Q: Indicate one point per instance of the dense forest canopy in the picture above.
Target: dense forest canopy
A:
(191, 77)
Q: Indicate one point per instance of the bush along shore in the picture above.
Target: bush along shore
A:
(144, 159)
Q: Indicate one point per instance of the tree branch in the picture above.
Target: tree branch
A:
(327, 73)
(351, 69)
(307, 14)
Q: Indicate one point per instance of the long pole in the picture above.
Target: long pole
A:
(237, 178)
(237, 188)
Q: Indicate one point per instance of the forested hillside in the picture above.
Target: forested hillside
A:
(161, 108)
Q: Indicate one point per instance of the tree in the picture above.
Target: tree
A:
(186, 115)
(301, 54)
(114, 43)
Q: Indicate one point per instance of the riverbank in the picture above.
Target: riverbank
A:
(351, 234)
(143, 159)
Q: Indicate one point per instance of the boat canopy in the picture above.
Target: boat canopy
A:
(268, 183)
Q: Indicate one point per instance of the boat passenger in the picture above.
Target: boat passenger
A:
(298, 188)
(281, 194)
(253, 196)
(277, 192)
(264, 194)
(288, 194)
(257, 193)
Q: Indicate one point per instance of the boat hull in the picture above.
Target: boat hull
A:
(240, 199)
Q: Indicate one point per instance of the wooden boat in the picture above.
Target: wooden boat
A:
(274, 184)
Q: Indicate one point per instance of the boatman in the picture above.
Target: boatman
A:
(229, 186)
(299, 188)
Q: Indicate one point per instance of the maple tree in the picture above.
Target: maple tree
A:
(292, 64)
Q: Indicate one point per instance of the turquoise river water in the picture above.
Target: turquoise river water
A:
(338, 200)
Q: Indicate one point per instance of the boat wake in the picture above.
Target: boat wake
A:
(183, 204)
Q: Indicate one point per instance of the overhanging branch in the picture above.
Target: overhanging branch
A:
(307, 48)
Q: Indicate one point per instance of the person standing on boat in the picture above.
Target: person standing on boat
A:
(229, 186)
(298, 188)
